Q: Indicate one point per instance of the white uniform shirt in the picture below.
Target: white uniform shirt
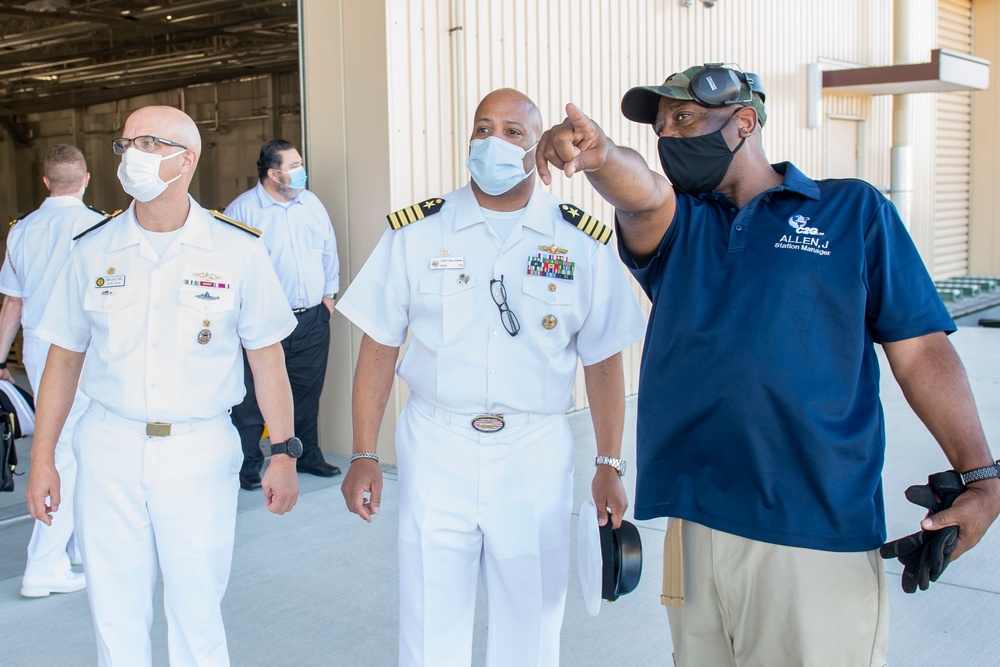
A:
(460, 357)
(37, 247)
(299, 239)
(143, 317)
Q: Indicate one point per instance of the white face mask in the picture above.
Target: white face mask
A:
(139, 174)
(496, 165)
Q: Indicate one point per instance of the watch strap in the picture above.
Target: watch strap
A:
(616, 463)
(979, 474)
(282, 448)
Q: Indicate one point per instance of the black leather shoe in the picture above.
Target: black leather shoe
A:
(320, 469)
(250, 482)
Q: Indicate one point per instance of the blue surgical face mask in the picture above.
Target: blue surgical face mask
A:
(298, 177)
(496, 165)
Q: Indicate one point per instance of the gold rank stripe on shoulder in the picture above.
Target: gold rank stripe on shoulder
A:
(586, 223)
(236, 223)
(98, 225)
(95, 210)
(405, 216)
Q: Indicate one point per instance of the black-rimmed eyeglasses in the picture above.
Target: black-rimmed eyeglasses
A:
(145, 143)
(507, 316)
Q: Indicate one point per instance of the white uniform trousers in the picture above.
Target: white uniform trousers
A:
(47, 548)
(496, 503)
(147, 501)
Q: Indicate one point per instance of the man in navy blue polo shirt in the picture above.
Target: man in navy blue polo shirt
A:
(760, 427)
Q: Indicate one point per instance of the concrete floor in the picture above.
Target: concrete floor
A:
(318, 587)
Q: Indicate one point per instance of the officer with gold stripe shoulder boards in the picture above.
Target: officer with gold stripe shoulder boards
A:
(500, 298)
(161, 299)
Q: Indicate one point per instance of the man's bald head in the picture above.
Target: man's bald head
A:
(165, 122)
(65, 170)
(510, 104)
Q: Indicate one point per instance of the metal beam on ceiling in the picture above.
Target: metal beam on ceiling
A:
(71, 53)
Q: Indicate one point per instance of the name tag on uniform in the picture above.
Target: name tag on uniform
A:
(447, 262)
(110, 281)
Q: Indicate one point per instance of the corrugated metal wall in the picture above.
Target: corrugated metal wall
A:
(444, 55)
(953, 162)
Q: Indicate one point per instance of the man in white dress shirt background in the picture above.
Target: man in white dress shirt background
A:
(37, 247)
(299, 236)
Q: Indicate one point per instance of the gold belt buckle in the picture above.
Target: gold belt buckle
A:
(158, 429)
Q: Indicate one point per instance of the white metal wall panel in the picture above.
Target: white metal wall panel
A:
(953, 159)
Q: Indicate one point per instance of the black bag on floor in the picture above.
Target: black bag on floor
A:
(10, 430)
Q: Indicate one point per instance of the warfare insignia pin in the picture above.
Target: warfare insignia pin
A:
(204, 336)
(554, 249)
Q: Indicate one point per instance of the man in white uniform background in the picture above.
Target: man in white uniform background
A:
(37, 247)
(502, 288)
(163, 297)
(299, 237)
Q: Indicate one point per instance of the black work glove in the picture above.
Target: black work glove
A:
(926, 554)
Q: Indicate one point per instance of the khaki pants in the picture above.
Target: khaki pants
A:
(753, 604)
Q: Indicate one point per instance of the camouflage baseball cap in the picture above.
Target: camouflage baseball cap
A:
(641, 104)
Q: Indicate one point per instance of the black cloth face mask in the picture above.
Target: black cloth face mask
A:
(697, 165)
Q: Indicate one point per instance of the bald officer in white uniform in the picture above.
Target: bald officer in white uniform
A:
(37, 247)
(501, 294)
(163, 296)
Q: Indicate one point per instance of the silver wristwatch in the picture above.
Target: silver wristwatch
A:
(617, 464)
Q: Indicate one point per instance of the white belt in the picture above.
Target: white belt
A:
(154, 429)
(483, 422)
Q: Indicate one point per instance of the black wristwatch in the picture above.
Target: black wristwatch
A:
(292, 447)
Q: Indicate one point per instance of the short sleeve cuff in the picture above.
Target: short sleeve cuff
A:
(61, 340)
(284, 332)
(375, 332)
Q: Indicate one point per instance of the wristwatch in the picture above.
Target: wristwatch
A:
(292, 447)
(617, 464)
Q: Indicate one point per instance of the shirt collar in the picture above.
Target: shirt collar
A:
(195, 231)
(469, 212)
(63, 200)
(265, 198)
(795, 181)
